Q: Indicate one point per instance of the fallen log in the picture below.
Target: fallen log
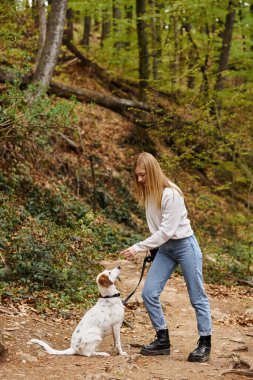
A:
(112, 102)
(126, 107)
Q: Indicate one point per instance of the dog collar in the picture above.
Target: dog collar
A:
(115, 295)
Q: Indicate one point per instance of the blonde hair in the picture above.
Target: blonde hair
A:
(156, 180)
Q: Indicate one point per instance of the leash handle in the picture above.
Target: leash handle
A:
(147, 259)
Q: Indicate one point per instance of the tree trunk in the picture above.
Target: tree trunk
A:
(192, 58)
(129, 18)
(70, 27)
(106, 26)
(195, 57)
(117, 16)
(42, 30)
(226, 44)
(112, 102)
(86, 31)
(175, 62)
(49, 56)
(156, 38)
(143, 47)
(35, 11)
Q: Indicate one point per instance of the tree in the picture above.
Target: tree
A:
(42, 29)
(106, 25)
(70, 27)
(143, 47)
(86, 30)
(226, 44)
(117, 17)
(156, 37)
(49, 55)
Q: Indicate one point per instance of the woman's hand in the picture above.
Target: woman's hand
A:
(129, 253)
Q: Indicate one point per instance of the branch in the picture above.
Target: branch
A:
(244, 282)
(107, 101)
(248, 373)
(70, 142)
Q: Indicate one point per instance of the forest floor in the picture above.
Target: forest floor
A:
(232, 344)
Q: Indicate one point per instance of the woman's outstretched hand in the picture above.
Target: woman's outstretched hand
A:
(129, 253)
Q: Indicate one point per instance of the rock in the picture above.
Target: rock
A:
(41, 353)
(133, 358)
(39, 334)
(218, 314)
(27, 358)
(65, 314)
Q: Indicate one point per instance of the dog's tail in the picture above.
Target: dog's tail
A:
(50, 350)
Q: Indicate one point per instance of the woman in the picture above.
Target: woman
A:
(171, 232)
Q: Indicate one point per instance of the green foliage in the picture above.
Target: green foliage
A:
(16, 29)
(226, 240)
(55, 243)
(26, 116)
(115, 200)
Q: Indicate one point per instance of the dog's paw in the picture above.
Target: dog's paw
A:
(122, 353)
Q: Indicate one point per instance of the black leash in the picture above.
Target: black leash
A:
(147, 259)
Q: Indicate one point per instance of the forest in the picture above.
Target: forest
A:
(87, 85)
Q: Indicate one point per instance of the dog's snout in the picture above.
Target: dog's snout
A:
(119, 267)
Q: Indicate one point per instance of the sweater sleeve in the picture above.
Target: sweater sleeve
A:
(172, 206)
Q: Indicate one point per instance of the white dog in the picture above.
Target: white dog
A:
(104, 318)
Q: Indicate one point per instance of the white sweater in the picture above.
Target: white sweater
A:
(171, 222)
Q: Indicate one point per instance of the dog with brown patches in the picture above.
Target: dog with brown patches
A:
(104, 318)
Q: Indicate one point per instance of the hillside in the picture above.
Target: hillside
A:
(67, 151)
(83, 164)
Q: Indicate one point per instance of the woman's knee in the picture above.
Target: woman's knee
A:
(149, 296)
(144, 295)
(200, 303)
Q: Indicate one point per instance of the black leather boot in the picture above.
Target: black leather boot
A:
(160, 346)
(202, 352)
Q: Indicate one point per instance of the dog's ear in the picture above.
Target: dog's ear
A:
(104, 281)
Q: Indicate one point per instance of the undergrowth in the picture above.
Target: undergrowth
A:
(54, 233)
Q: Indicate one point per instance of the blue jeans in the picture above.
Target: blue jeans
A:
(187, 253)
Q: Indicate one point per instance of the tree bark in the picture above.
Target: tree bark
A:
(117, 16)
(129, 18)
(130, 109)
(107, 101)
(86, 31)
(195, 56)
(156, 38)
(192, 58)
(49, 56)
(175, 63)
(226, 44)
(106, 26)
(70, 27)
(143, 48)
(42, 30)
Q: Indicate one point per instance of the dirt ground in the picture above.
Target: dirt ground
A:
(232, 342)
